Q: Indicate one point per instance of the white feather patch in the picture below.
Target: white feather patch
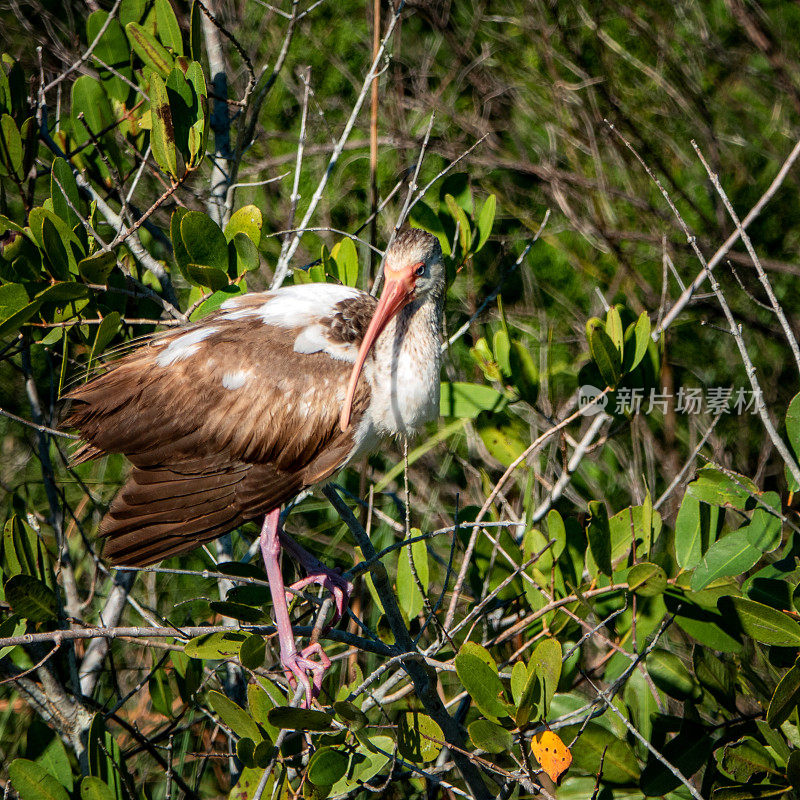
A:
(235, 380)
(184, 346)
(303, 305)
(313, 339)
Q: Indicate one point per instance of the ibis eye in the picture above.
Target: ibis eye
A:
(420, 270)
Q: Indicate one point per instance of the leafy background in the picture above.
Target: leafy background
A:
(626, 580)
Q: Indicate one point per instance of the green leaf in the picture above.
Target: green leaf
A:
(467, 400)
(346, 258)
(327, 766)
(31, 782)
(64, 192)
(234, 716)
(169, 32)
(635, 523)
(299, 719)
(764, 529)
(761, 791)
(153, 54)
(162, 135)
(743, 759)
(15, 308)
(486, 221)
(55, 760)
(647, 580)
(240, 611)
(90, 99)
(604, 352)
(247, 220)
(160, 693)
(596, 744)
(350, 714)
(96, 268)
(763, 623)
(640, 335)
(505, 436)
(198, 131)
(793, 424)
(366, 761)
(259, 703)
(614, 329)
(481, 681)
(244, 254)
(30, 598)
(490, 736)
(214, 301)
(464, 229)
(407, 591)
(415, 733)
(599, 535)
(691, 535)
(717, 488)
(183, 106)
(64, 292)
(113, 49)
(670, 675)
(519, 678)
(785, 698)
(10, 147)
(207, 250)
(55, 248)
(196, 31)
(106, 331)
(546, 663)
(731, 555)
(12, 626)
(215, 645)
(424, 217)
(253, 651)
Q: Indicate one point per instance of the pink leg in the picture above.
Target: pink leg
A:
(296, 664)
(318, 573)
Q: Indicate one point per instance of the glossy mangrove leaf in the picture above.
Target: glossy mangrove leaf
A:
(785, 699)
(234, 716)
(220, 644)
(731, 555)
(30, 598)
(31, 782)
(149, 50)
(162, 134)
(670, 675)
(647, 580)
(299, 719)
(467, 400)
(599, 534)
(763, 623)
(490, 736)
(418, 737)
(327, 766)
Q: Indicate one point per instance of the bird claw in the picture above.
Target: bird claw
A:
(329, 579)
(297, 665)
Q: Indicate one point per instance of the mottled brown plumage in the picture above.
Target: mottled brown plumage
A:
(207, 458)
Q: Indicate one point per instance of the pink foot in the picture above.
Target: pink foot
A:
(298, 665)
(331, 580)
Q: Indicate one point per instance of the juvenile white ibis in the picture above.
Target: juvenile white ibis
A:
(230, 417)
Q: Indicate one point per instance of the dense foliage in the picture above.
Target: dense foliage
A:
(597, 540)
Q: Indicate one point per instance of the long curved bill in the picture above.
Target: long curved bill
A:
(396, 295)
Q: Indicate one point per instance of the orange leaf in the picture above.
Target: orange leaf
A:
(552, 754)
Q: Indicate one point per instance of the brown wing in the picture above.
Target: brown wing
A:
(223, 421)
